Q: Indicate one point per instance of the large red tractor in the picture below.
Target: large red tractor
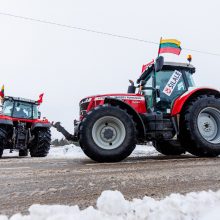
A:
(167, 109)
(22, 129)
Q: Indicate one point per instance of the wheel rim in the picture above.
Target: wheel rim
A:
(209, 124)
(108, 132)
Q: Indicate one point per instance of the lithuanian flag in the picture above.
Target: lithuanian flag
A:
(2, 92)
(169, 46)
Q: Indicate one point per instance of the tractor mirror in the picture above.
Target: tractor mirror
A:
(39, 115)
(131, 88)
(159, 64)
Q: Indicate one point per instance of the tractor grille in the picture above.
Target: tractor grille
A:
(83, 108)
(83, 105)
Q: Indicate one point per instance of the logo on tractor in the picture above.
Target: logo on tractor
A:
(170, 86)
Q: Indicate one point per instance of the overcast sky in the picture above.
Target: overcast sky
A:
(68, 64)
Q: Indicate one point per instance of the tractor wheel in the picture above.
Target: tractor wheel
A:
(169, 147)
(200, 126)
(40, 146)
(23, 153)
(3, 139)
(107, 134)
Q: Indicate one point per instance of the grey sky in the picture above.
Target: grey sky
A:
(68, 65)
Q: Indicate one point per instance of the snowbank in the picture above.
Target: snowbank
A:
(72, 151)
(112, 205)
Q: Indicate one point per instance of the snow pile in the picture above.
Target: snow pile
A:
(112, 205)
(72, 151)
(68, 151)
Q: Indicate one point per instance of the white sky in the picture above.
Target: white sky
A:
(68, 65)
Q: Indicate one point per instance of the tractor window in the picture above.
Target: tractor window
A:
(171, 85)
(7, 107)
(148, 93)
(35, 112)
(23, 110)
(190, 79)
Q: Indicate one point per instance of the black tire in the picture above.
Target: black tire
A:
(40, 146)
(169, 147)
(89, 144)
(191, 135)
(23, 153)
(3, 139)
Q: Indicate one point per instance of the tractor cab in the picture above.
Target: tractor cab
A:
(163, 82)
(20, 108)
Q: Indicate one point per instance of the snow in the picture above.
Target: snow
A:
(72, 151)
(112, 205)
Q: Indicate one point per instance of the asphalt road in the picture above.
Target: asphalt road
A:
(24, 181)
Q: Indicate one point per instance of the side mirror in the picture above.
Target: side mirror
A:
(159, 64)
(131, 88)
(39, 115)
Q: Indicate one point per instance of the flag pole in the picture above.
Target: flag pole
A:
(159, 47)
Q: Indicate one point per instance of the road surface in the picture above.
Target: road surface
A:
(25, 181)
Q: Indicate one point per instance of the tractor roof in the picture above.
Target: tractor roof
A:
(20, 99)
(168, 66)
(174, 65)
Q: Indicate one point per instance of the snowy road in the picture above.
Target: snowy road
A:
(68, 181)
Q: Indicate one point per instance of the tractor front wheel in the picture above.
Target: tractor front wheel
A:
(107, 134)
(40, 146)
(200, 126)
(169, 147)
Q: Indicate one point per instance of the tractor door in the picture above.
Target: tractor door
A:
(171, 85)
(148, 93)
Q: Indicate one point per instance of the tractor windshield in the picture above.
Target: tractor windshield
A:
(171, 85)
(17, 109)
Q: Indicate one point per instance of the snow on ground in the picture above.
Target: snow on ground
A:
(72, 151)
(112, 205)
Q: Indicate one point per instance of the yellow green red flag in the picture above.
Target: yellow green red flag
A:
(2, 92)
(169, 46)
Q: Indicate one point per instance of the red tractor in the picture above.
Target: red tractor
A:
(167, 110)
(21, 128)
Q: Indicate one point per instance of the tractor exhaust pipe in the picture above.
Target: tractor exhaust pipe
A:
(65, 133)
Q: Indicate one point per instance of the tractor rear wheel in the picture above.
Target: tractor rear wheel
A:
(200, 126)
(169, 147)
(107, 134)
(3, 139)
(40, 146)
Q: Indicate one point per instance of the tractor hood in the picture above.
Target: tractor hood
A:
(121, 96)
(136, 101)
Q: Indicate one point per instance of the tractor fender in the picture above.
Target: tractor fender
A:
(40, 125)
(131, 111)
(182, 101)
(6, 122)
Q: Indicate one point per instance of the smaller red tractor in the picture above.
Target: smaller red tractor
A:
(22, 129)
(167, 109)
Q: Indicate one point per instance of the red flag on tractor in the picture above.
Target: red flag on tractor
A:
(145, 66)
(40, 100)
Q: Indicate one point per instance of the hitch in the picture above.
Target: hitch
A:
(65, 133)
